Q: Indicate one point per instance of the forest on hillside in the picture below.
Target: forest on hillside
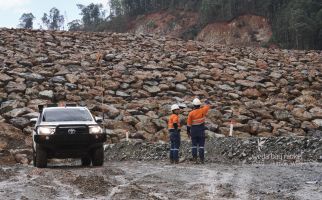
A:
(295, 23)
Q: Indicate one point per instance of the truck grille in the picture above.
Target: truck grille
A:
(72, 130)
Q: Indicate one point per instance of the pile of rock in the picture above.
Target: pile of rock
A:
(268, 92)
(254, 150)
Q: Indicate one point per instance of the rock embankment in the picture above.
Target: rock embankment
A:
(268, 92)
(255, 150)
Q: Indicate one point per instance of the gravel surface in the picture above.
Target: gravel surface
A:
(160, 180)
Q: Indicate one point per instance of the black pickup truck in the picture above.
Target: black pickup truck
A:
(67, 132)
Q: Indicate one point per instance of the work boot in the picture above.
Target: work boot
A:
(176, 162)
(202, 161)
(171, 161)
(195, 160)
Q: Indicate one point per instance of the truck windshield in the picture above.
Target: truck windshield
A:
(67, 114)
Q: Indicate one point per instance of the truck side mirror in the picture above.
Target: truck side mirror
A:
(33, 120)
(99, 120)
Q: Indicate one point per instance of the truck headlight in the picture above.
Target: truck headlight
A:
(95, 130)
(46, 130)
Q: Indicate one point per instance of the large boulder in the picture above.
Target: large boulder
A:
(11, 137)
(15, 87)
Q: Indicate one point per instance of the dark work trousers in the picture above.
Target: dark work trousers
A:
(198, 141)
(174, 145)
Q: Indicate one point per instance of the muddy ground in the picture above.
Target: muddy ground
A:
(160, 180)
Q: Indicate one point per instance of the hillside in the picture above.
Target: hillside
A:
(246, 30)
(272, 92)
(291, 24)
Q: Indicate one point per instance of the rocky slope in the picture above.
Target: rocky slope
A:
(268, 92)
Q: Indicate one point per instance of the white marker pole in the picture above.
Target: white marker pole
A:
(127, 136)
(231, 129)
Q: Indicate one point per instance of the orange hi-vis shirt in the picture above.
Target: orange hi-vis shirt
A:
(198, 116)
(174, 119)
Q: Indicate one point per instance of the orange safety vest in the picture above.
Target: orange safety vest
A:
(198, 116)
(174, 119)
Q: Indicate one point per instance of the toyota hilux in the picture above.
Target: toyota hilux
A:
(68, 131)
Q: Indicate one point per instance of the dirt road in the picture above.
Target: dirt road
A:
(159, 180)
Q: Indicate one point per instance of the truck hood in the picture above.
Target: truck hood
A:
(68, 123)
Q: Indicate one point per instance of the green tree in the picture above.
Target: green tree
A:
(54, 20)
(26, 20)
(92, 15)
(75, 25)
(116, 8)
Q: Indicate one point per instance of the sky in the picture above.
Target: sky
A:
(11, 10)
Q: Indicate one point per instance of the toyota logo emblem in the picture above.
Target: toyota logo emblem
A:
(71, 131)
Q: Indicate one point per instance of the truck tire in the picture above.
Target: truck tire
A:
(41, 157)
(86, 161)
(98, 156)
(33, 156)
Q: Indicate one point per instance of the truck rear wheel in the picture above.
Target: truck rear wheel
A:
(86, 161)
(41, 157)
(98, 156)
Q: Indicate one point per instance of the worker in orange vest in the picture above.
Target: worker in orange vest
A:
(196, 128)
(174, 131)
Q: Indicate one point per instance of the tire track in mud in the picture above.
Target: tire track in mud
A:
(126, 183)
(162, 181)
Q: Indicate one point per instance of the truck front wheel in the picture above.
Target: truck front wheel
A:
(98, 156)
(41, 157)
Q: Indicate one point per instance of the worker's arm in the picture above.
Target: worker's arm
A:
(175, 123)
(206, 107)
(189, 122)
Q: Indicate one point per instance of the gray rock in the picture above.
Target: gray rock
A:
(225, 87)
(71, 86)
(234, 95)
(255, 78)
(180, 77)
(151, 89)
(31, 115)
(17, 112)
(142, 118)
(181, 88)
(8, 105)
(58, 79)
(25, 63)
(5, 78)
(15, 87)
(276, 75)
(32, 76)
(111, 111)
(109, 57)
(281, 115)
(20, 122)
(122, 94)
(318, 122)
(316, 112)
(130, 120)
(246, 83)
(42, 59)
(125, 85)
(301, 114)
(71, 78)
(47, 94)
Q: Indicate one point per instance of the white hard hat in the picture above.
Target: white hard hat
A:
(196, 102)
(174, 107)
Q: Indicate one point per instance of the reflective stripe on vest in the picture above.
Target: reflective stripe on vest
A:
(198, 121)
